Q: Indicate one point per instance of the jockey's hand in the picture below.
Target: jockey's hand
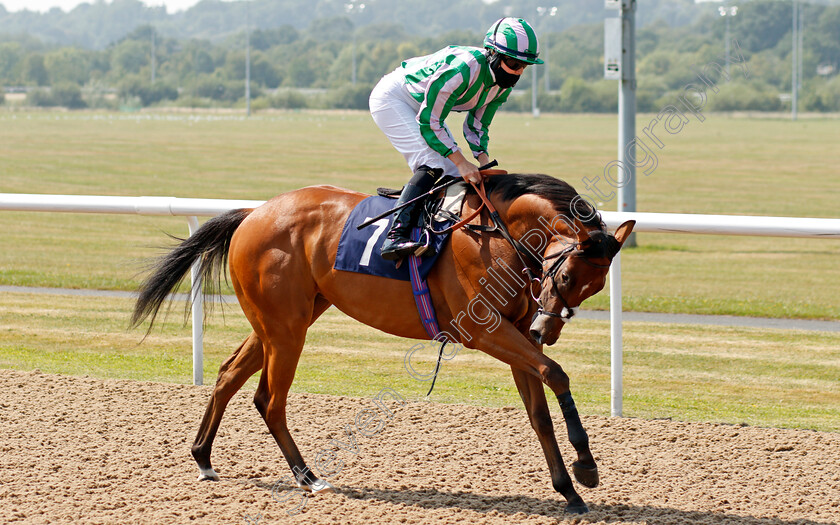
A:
(470, 173)
(466, 169)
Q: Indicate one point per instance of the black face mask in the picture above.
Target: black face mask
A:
(503, 79)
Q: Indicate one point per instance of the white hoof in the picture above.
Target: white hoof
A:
(208, 473)
(317, 487)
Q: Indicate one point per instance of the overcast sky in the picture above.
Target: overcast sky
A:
(45, 5)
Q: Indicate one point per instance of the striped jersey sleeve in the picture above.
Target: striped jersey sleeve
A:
(455, 78)
(478, 121)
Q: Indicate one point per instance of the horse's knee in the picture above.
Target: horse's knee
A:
(555, 378)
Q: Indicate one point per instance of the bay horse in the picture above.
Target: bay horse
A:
(280, 259)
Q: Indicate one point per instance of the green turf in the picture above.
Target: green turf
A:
(779, 378)
(723, 165)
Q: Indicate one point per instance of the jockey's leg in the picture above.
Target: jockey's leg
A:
(398, 243)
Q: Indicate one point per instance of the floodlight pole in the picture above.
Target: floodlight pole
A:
(542, 11)
(248, 59)
(800, 47)
(626, 170)
(152, 31)
(794, 57)
(353, 8)
(727, 12)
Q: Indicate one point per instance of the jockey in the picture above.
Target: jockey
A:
(411, 103)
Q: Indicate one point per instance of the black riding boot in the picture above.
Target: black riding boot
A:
(398, 243)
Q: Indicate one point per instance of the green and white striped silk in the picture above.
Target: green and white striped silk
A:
(456, 78)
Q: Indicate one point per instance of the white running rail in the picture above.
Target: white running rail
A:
(645, 222)
(190, 208)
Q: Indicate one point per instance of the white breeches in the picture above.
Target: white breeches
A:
(395, 112)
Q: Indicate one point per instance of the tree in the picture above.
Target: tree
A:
(68, 64)
(828, 31)
(298, 73)
(34, 70)
(129, 57)
(68, 95)
(334, 28)
(761, 25)
(10, 57)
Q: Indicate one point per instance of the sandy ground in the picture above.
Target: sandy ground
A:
(91, 451)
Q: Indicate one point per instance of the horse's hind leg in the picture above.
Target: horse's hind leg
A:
(281, 359)
(246, 361)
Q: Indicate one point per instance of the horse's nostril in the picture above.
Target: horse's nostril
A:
(536, 336)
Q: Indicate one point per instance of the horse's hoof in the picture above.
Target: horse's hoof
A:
(586, 476)
(318, 486)
(207, 474)
(577, 508)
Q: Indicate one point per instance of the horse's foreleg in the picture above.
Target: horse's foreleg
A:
(511, 346)
(246, 361)
(533, 396)
(584, 469)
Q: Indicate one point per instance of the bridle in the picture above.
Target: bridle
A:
(570, 251)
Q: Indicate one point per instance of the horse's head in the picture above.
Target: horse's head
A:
(573, 272)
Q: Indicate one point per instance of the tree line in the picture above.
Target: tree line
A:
(311, 66)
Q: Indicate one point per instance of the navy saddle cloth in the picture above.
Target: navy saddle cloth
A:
(358, 250)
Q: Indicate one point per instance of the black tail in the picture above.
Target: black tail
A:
(210, 243)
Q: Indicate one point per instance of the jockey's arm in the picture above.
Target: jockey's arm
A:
(466, 169)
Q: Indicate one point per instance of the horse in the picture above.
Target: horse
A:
(280, 259)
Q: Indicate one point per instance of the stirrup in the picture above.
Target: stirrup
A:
(424, 248)
(402, 249)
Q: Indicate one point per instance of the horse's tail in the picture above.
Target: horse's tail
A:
(210, 243)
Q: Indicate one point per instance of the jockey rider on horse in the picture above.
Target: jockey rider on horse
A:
(411, 103)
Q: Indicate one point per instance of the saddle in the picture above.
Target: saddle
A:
(444, 206)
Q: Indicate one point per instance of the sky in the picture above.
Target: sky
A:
(67, 5)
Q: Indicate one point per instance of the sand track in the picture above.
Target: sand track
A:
(90, 451)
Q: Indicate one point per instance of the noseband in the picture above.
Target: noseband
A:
(570, 251)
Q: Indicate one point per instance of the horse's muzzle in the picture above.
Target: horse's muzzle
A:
(546, 326)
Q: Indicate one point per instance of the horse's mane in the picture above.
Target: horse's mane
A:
(558, 192)
(561, 194)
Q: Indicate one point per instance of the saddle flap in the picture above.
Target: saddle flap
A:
(452, 201)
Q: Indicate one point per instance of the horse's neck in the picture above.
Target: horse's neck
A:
(530, 216)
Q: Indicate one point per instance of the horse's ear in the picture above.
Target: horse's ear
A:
(581, 233)
(623, 232)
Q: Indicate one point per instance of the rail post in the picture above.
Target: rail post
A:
(197, 313)
(616, 350)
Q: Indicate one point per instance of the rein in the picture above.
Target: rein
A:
(572, 250)
(523, 254)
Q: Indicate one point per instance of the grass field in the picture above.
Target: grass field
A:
(723, 165)
(779, 378)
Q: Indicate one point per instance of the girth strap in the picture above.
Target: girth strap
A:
(423, 300)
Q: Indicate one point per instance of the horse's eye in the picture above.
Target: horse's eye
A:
(564, 277)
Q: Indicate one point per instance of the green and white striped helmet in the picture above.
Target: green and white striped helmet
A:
(514, 37)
